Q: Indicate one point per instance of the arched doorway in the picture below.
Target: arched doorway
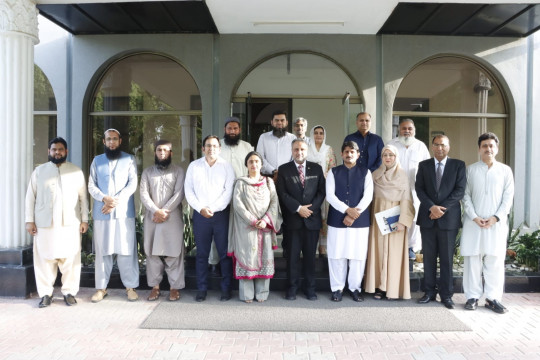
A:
(304, 84)
(457, 97)
(147, 97)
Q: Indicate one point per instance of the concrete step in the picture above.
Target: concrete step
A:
(514, 283)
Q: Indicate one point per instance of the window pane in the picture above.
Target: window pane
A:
(449, 84)
(463, 134)
(43, 93)
(44, 130)
(140, 132)
(145, 82)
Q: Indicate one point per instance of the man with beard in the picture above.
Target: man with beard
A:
(369, 144)
(301, 192)
(299, 128)
(234, 150)
(56, 215)
(112, 182)
(162, 192)
(411, 152)
(275, 145)
(209, 186)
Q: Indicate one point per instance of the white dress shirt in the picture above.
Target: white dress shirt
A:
(275, 151)
(209, 186)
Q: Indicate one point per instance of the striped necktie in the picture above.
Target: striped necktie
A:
(301, 173)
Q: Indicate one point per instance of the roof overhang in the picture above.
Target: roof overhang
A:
(456, 18)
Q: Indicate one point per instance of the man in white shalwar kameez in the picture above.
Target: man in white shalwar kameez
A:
(488, 199)
(112, 182)
(162, 192)
(411, 152)
(349, 191)
(56, 215)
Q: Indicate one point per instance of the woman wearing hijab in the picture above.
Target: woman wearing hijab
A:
(387, 272)
(254, 223)
(323, 155)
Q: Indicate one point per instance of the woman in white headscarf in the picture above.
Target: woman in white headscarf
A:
(323, 155)
(387, 270)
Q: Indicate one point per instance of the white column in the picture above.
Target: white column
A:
(18, 34)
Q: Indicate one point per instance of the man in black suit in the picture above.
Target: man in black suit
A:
(301, 191)
(440, 185)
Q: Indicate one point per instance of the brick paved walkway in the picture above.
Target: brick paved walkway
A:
(110, 330)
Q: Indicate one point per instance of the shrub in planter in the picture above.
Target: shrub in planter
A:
(528, 249)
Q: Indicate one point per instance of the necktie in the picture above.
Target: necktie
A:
(301, 173)
(438, 176)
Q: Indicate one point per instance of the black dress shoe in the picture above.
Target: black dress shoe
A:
(357, 296)
(225, 295)
(70, 300)
(311, 296)
(201, 296)
(290, 295)
(45, 301)
(448, 303)
(427, 298)
(337, 295)
(471, 304)
(496, 306)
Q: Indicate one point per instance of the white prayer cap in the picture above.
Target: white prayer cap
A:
(111, 129)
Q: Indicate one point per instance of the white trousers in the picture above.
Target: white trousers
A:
(46, 271)
(493, 269)
(338, 273)
(249, 289)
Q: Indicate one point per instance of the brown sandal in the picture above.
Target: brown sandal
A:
(154, 294)
(174, 295)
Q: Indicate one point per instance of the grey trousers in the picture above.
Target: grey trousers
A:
(173, 266)
(253, 289)
(127, 264)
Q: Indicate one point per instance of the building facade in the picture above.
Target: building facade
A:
(183, 86)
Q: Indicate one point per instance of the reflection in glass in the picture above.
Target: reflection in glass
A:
(45, 118)
(449, 84)
(456, 97)
(148, 97)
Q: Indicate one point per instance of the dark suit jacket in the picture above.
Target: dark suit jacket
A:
(292, 195)
(450, 193)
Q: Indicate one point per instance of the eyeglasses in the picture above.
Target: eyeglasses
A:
(439, 146)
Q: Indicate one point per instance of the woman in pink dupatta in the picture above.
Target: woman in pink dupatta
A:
(253, 226)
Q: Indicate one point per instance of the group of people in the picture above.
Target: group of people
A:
(242, 199)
